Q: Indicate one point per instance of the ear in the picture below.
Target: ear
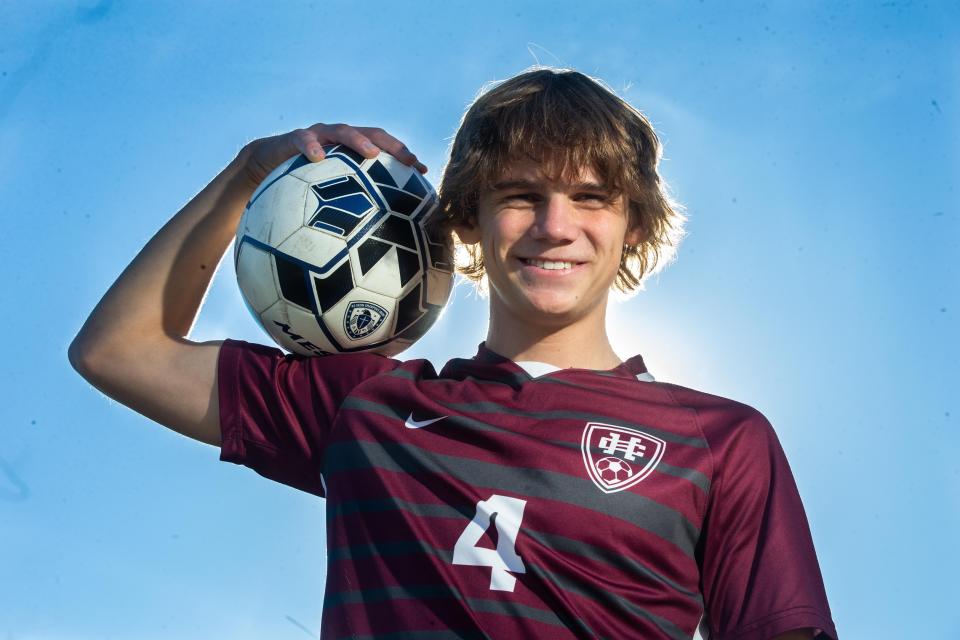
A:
(634, 235)
(469, 232)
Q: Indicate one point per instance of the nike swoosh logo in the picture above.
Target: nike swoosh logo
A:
(419, 424)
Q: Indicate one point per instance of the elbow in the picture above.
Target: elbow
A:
(82, 358)
(78, 357)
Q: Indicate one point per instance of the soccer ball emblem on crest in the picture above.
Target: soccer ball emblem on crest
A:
(339, 255)
(613, 470)
(617, 458)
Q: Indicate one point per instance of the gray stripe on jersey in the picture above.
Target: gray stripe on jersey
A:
(547, 616)
(446, 634)
(649, 515)
(564, 544)
(392, 504)
(493, 407)
(611, 603)
(691, 475)
(694, 476)
(602, 554)
(420, 592)
(386, 550)
(606, 598)
(379, 594)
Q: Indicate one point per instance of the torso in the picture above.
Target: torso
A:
(418, 462)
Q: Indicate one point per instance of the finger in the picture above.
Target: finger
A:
(350, 136)
(307, 143)
(394, 147)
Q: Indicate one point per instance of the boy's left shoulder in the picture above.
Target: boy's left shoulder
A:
(720, 418)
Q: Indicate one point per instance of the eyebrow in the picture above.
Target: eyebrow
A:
(530, 184)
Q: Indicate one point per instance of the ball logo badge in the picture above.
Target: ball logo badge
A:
(363, 318)
(617, 458)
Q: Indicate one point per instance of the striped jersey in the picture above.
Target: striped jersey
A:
(483, 502)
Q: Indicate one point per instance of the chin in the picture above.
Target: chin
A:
(547, 306)
(552, 312)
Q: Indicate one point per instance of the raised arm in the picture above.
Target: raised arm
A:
(134, 345)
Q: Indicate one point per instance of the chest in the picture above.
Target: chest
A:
(596, 461)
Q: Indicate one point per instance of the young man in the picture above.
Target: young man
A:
(542, 488)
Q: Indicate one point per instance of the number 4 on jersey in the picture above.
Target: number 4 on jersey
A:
(509, 513)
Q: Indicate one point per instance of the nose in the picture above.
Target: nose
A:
(555, 220)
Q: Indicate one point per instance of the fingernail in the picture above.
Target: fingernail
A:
(314, 151)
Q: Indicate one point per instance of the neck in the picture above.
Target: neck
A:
(582, 344)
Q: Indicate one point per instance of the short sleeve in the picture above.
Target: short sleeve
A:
(759, 571)
(277, 409)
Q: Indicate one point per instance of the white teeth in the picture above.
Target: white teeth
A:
(550, 264)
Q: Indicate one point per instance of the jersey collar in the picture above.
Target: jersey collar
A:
(489, 365)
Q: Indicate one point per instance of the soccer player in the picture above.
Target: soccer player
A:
(542, 488)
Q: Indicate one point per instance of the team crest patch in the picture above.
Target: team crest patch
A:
(363, 318)
(617, 457)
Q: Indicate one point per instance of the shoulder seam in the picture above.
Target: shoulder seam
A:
(714, 481)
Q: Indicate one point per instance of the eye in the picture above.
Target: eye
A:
(522, 197)
(593, 198)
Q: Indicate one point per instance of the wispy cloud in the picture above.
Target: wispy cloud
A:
(298, 624)
(14, 489)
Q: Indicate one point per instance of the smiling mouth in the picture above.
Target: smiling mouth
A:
(550, 265)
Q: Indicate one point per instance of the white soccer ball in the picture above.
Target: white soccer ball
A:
(612, 470)
(336, 256)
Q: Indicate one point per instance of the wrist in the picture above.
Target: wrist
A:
(242, 170)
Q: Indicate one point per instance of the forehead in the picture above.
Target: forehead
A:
(531, 171)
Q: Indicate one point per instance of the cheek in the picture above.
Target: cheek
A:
(612, 237)
(611, 234)
(502, 233)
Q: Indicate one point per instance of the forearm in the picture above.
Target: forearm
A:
(160, 292)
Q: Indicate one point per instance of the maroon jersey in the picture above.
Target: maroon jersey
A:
(486, 503)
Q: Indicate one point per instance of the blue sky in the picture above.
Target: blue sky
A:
(815, 146)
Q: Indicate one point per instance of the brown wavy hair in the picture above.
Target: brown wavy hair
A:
(564, 120)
